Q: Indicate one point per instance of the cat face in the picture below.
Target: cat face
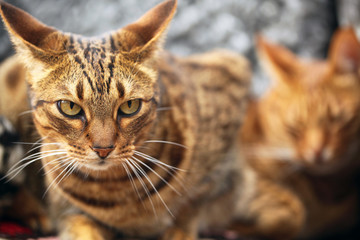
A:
(97, 109)
(95, 98)
(314, 107)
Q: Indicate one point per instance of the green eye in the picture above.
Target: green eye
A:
(68, 108)
(130, 108)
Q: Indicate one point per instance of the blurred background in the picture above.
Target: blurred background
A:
(304, 26)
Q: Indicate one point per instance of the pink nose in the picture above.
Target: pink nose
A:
(103, 152)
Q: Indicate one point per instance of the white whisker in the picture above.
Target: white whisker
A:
(30, 157)
(163, 109)
(166, 142)
(152, 185)
(58, 166)
(129, 162)
(162, 179)
(32, 143)
(132, 182)
(68, 166)
(70, 171)
(154, 160)
(64, 158)
(172, 172)
(25, 112)
(17, 168)
(40, 145)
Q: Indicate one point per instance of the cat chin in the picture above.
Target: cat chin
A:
(98, 165)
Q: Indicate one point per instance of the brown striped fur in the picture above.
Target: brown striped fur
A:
(192, 107)
(302, 141)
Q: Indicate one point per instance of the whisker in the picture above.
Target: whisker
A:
(159, 176)
(35, 155)
(58, 166)
(152, 185)
(64, 158)
(70, 171)
(40, 145)
(172, 172)
(55, 168)
(132, 182)
(68, 164)
(17, 168)
(33, 143)
(163, 109)
(25, 112)
(154, 160)
(166, 142)
(41, 153)
(129, 162)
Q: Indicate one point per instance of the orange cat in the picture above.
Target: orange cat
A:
(302, 140)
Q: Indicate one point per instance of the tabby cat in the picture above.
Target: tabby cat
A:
(136, 142)
(302, 140)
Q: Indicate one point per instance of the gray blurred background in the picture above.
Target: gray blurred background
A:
(305, 26)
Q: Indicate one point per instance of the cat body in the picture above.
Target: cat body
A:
(301, 140)
(206, 143)
(135, 141)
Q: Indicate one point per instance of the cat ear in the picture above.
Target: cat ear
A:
(278, 61)
(27, 33)
(147, 34)
(345, 51)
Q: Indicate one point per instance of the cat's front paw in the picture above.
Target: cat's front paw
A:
(177, 234)
(79, 227)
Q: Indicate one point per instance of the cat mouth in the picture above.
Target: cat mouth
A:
(101, 162)
(104, 163)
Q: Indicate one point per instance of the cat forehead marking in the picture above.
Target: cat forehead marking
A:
(96, 58)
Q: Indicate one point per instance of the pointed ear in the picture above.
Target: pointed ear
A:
(147, 33)
(28, 33)
(345, 51)
(278, 61)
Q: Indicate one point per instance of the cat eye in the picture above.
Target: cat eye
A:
(130, 108)
(68, 108)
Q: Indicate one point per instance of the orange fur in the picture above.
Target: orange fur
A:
(301, 139)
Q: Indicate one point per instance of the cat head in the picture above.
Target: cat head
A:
(313, 107)
(95, 97)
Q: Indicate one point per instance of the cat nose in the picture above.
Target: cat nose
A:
(103, 152)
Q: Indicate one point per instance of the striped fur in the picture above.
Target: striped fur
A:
(170, 163)
(302, 143)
